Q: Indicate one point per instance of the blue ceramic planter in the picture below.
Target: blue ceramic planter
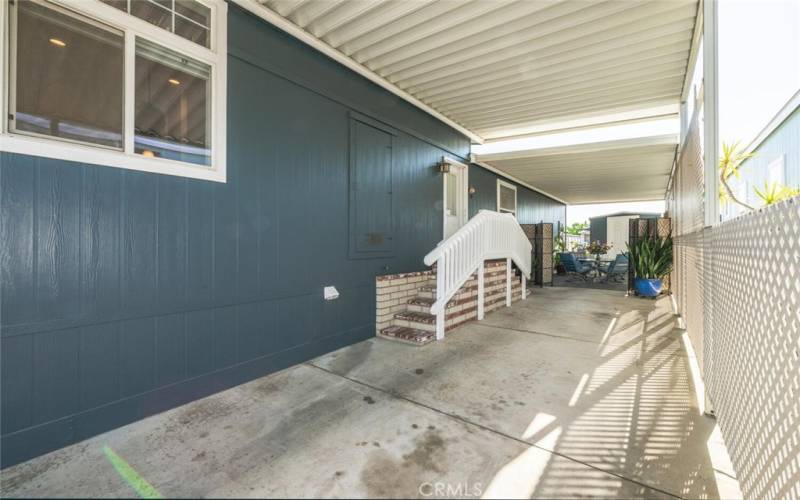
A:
(646, 287)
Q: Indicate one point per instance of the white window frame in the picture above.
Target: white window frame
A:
(502, 183)
(776, 170)
(132, 27)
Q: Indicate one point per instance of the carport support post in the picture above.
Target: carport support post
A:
(508, 282)
(481, 270)
(524, 286)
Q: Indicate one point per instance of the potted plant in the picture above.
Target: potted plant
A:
(652, 260)
(597, 249)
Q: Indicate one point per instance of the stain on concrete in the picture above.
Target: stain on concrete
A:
(427, 453)
(369, 400)
(419, 371)
(200, 456)
(347, 360)
(385, 475)
(414, 426)
(203, 411)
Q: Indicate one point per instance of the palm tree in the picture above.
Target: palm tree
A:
(729, 164)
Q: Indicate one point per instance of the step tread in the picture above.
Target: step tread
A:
(408, 335)
(418, 317)
(422, 301)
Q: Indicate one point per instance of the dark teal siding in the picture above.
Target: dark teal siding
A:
(127, 293)
(532, 207)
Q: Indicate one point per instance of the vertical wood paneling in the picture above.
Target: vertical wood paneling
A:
(170, 352)
(294, 326)
(225, 240)
(17, 243)
(16, 356)
(99, 364)
(225, 338)
(137, 356)
(171, 249)
(370, 190)
(58, 240)
(200, 252)
(139, 265)
(100, 241)
(246, 137)
(199, 342)
(55, 374)
(256, 329)
(532, 207)
(169, 279)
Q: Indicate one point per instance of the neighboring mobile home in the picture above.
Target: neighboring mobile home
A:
(162, 247)
(613, 229)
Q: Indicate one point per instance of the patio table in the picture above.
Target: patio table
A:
(595, 263)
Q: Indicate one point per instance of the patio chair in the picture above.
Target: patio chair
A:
(575, 267)
(616, 269)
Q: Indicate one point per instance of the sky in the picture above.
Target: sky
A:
(759, 64)
(581, 213)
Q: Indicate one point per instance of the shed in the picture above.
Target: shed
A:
(613, 228)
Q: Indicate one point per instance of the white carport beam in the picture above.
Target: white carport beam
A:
(666, 139)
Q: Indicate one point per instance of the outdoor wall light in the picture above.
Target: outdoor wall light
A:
(472, 191)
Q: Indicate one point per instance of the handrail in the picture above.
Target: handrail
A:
(488, 235)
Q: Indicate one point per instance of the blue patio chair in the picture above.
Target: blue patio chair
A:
(574, 266)
(616, 269)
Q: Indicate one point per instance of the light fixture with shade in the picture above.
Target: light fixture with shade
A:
(173, 81)
(58, 42)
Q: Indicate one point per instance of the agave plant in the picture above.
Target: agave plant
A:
(651, 257)
(773, 193)
(730, 161)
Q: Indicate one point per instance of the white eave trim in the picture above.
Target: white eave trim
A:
(590, 147)
(776, 122)
(292, 29)
(514, 179)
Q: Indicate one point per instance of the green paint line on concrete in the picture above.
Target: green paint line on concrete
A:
(126, 472)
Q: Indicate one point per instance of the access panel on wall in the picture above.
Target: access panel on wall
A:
(371, 231)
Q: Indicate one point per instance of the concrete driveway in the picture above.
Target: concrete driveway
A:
(572, 392)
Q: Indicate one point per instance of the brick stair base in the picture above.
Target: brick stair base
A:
(412, 323)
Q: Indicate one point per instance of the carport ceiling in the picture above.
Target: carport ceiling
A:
(614, 171)
(496, 66)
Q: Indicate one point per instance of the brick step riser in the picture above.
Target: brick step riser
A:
(471, 300)
(456, 319)
(466, 292)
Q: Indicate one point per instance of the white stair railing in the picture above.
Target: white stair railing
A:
(488, 235)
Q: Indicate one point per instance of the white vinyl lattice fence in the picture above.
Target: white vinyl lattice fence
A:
(737, 290)
(751, 344)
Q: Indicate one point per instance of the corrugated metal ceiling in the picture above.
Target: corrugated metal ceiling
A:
(622, 170)
(497, 65)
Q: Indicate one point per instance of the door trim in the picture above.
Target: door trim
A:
(462, 190)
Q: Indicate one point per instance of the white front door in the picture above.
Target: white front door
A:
(617, 234)
(455, 198)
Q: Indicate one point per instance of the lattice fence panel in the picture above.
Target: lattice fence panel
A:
(689, 278)
(752, 345)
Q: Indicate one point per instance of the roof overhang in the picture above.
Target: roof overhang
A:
(634, 169)
(507, 69)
